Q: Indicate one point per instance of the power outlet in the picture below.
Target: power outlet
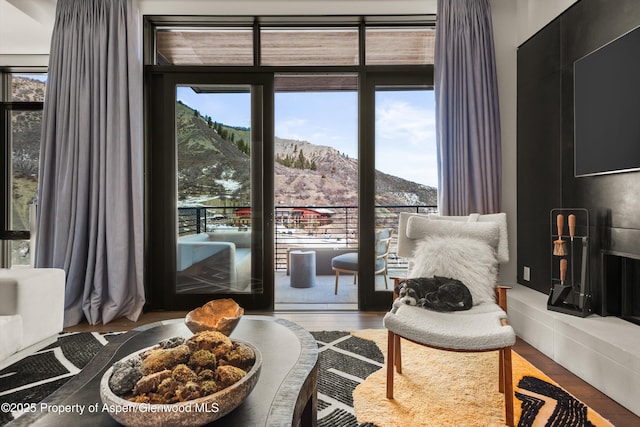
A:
(526, 273)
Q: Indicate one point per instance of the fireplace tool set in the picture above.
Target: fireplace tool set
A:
(569, 278)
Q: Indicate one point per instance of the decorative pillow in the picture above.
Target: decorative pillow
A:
(469, 260)
(500, 218)
(420, 227)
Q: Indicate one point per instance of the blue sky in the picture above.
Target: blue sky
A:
(405, 124)
(41, 77)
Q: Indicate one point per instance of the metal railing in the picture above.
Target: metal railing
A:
(301, 226)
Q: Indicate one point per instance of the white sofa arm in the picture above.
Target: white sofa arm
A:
(10, 336)
(37, 295)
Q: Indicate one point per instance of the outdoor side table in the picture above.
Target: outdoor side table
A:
(303, 269)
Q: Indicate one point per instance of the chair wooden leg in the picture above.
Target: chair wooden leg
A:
(386, 284)
(355, 278)
(508, 386)
(398, 354)
(391, 343)
(501, 371)
(337, 276)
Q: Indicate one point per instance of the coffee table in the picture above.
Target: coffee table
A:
(285, 395)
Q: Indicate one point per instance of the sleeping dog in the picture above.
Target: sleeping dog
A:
(436, 293)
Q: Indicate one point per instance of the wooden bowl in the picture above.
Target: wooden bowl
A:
(194, 412)
(220, 315)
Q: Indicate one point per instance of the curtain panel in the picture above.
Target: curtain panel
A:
(467, 109)
(90, 197)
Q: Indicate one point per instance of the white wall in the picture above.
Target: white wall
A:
(25, 31)
(535, 14)
(505, 29)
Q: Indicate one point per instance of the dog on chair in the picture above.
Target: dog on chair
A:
(435, 293)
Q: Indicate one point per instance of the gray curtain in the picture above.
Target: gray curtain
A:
(467, 110)
(90, 195)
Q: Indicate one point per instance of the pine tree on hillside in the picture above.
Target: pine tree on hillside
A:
(301, 162)
(243, 146)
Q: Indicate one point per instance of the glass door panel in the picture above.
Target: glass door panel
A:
(406, 175)
(207, 234)
(25, 153)
(214, 231)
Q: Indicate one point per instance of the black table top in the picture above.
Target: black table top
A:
(288, 378)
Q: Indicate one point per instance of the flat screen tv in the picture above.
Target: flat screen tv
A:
(607, 108)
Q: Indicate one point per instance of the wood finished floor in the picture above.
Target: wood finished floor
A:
(350, 320)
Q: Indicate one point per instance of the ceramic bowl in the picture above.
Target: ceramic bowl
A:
(220, 315)
(194, 412)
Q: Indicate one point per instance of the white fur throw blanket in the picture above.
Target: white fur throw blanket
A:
(469, 260)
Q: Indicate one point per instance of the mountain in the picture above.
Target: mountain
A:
(26, 127)
(334, 182)
(25, 89)
(211, 162)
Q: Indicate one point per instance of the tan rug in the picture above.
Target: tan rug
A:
(466, 395)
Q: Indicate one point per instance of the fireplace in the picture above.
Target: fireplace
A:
(621, 285)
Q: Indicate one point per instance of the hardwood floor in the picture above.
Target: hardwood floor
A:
(350, 320)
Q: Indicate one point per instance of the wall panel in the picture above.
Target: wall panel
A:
(613, 200)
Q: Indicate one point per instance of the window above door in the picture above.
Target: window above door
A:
(294, 41)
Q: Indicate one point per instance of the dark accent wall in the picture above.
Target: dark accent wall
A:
(545, 145)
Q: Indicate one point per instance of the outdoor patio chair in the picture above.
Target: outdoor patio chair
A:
(467, 251)
(348, 263)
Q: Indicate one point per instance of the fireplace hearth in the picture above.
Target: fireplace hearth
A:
(621, 285)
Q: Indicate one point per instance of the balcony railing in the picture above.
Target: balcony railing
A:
(301, 226)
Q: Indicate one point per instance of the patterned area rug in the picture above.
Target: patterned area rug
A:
(344, 362)
(446, 389)
(351, 375)
(39, 374)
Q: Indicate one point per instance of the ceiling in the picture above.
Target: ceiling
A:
(26, 25)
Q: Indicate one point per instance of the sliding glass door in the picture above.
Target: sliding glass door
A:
(206, 184)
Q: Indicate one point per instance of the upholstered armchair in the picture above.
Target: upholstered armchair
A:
(468, 249)
(31, 307)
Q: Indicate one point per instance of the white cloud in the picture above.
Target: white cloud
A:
(289, 128)
(399, 120)
(406, 142)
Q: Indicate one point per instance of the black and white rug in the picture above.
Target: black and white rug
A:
(344, 361)
(39, 374)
